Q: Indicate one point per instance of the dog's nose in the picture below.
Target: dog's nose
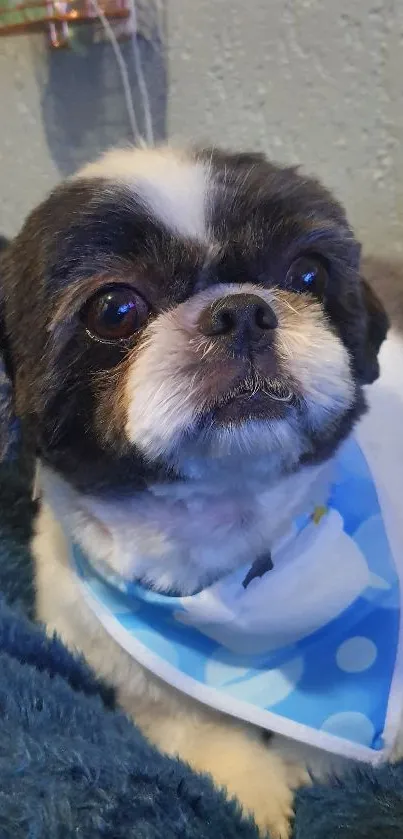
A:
(244, 318)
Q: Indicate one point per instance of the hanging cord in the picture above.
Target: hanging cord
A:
(145, 101)
(160, 19)
(122, 66)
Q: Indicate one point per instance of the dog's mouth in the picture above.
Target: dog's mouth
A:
(275, 389)
(254, 399)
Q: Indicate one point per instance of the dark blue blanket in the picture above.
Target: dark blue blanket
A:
(71, 766)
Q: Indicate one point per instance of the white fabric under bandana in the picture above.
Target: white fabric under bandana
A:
(312, 649)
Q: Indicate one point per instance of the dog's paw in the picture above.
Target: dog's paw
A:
(240, 763)
(263, 788)
(297, 775)
(268, 797)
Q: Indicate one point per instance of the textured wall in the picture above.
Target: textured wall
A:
(315, 82)
(59, 109)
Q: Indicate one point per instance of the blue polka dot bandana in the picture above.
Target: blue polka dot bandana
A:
(311, 649)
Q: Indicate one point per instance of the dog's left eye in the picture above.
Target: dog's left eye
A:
(307, 274)
(114, 313)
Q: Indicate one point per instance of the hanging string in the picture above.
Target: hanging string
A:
(148, 123)
(160, 19)
(122, 66)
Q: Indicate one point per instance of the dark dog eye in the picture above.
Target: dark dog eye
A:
(307, 274)
(114, 313)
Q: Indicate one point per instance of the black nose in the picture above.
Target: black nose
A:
(243, 317)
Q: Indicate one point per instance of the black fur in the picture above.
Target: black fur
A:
(83, 229)
(4, 343)
(377, 327)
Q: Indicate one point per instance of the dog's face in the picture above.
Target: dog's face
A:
(164, 307)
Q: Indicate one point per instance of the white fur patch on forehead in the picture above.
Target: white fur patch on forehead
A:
(172, 186)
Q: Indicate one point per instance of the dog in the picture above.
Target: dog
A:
(189, 338)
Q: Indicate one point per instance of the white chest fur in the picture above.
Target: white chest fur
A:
(186, 534)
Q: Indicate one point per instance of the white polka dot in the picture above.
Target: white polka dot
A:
(264, 689)
(220, 672)
(356, 655)
(351, 725)
(282, 682)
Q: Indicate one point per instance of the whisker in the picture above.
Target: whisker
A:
(288, 304)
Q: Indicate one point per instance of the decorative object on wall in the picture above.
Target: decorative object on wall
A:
(108, 20)
(60, 17)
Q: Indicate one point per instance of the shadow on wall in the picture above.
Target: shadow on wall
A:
(386, 278)
(83, 105)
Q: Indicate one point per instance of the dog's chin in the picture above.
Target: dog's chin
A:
(246, 421)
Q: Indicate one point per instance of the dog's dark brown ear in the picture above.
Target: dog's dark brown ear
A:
(376, 331)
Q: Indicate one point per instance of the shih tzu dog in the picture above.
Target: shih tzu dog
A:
(189, 337)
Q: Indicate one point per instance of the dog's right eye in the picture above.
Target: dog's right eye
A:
(307, 274)
(114, 314)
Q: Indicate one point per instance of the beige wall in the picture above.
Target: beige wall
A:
(315, 82)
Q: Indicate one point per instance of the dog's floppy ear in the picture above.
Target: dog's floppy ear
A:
(377, 325)
(9, 426)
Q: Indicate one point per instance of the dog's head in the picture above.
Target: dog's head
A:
(163, 307)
